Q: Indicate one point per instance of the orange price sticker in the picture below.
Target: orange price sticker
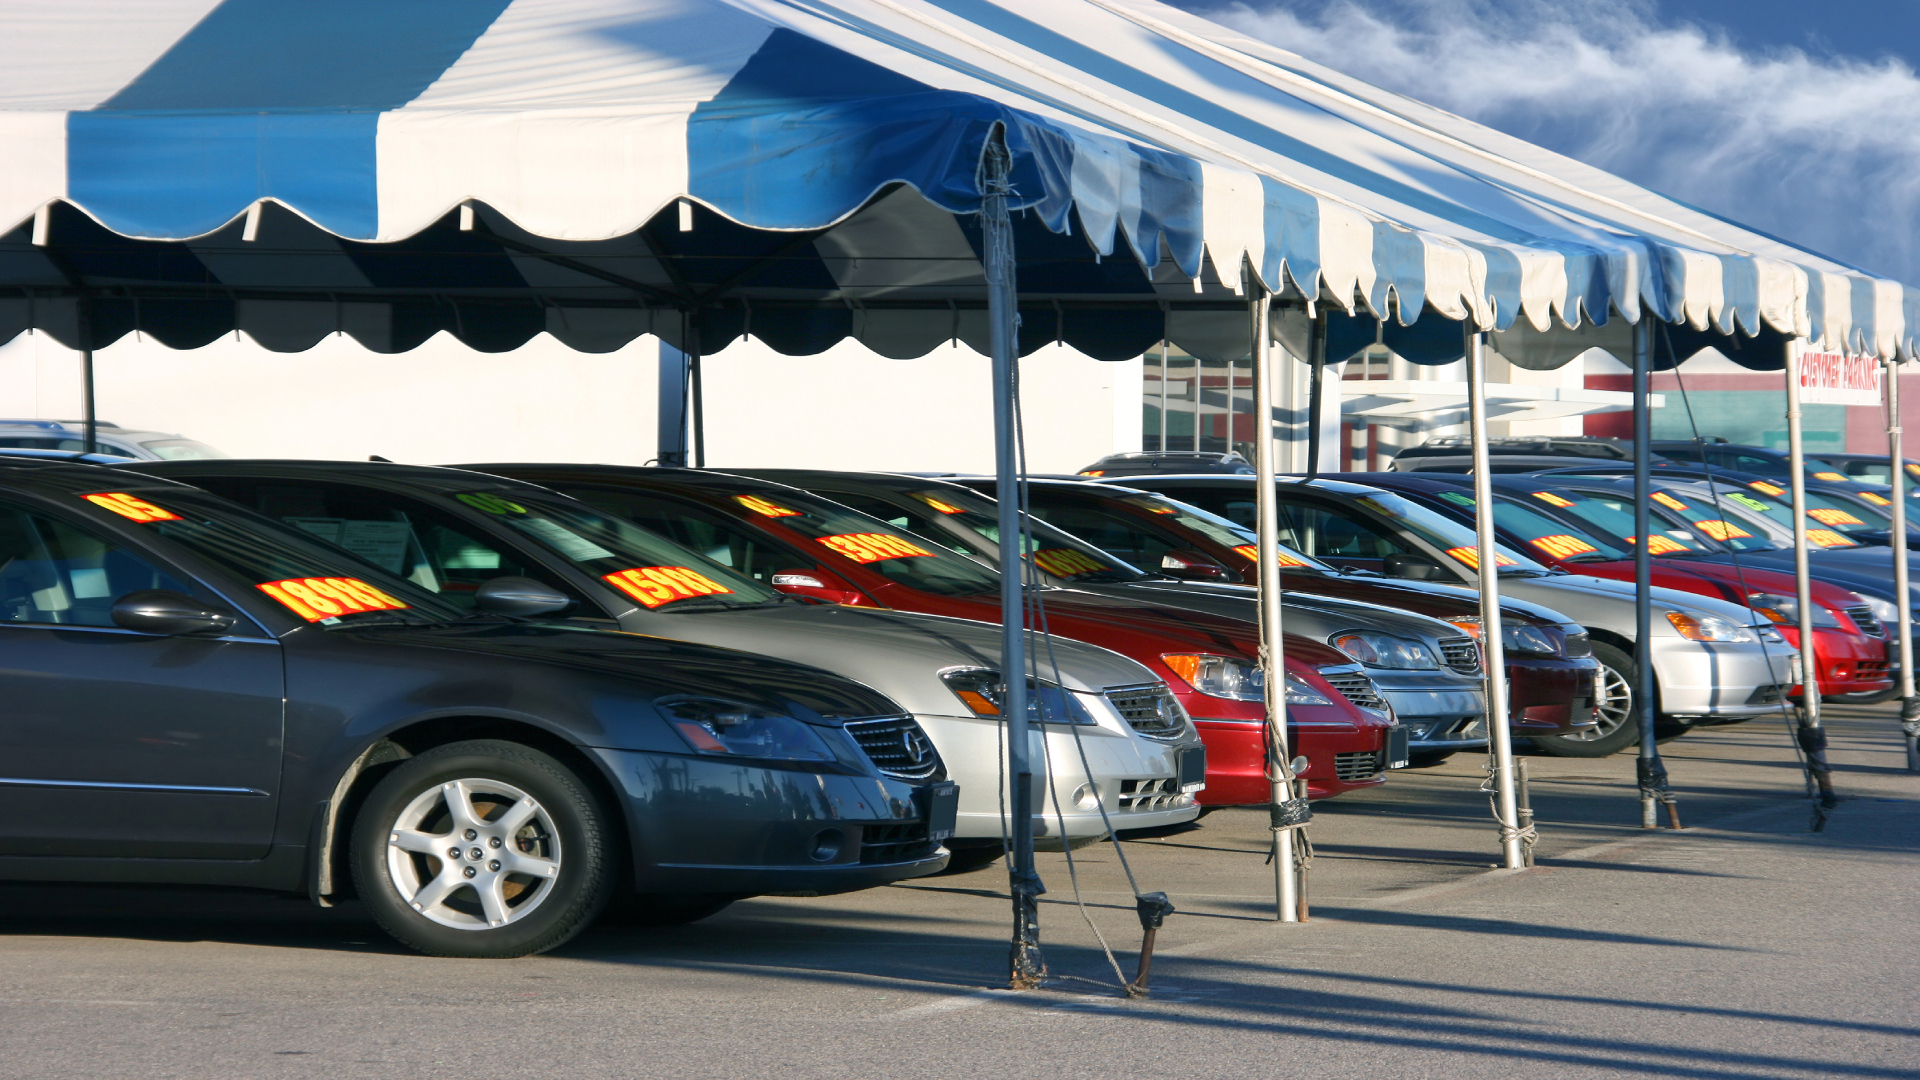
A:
(656, 585)
(1875, 499)
(764, 508)
(1660, 545)
(1721, 530)
(1093, 472)
(1284, 558)
(1826, 516)
(1668, 501)
(1066, 562)
(873, 547)
(937, 505)
(317, 599)
(1827, 538)
(1562, 545)
(128, 507)
(1551, 499)
(1471, 557)
(1766, 488)
(1834, 476)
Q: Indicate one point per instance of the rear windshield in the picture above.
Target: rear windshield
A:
(1828, 520)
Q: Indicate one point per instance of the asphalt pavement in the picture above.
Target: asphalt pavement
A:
(1743, 946)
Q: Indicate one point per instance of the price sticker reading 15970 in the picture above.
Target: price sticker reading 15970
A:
(873, 547)
(656, 585)
(318, 599)
(128, 507)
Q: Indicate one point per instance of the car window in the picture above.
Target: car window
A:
(1877, 472)
(1109, 530)
(1057, 551)
(1542, 531)
(1773, 503)
(1458, 541)
(1333, 535)
(54, 571)
(1611, 516)
(1754, 463)
(179, 449)
(16, 442)
(714, 536)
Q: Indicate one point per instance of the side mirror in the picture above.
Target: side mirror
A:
(519, 597)
(1414, 568)
(1192, 566)
(817, 584)
(164, 612)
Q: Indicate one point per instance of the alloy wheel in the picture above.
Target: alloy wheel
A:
(473, 854)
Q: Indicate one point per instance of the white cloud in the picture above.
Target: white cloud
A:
(1823, 151)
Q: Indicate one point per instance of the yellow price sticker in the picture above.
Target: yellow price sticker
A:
(1284, 558)
(317, 599)
(656, 585)
(1551, 499)
(1768, 489)
(1875, 499)
(1838, 477)
(1721, 530)
(1471, 556)
(938, 505)
(1668, 501)
(873, 547)
(1659, 545)
(1066, 562)
(1827, 516)
(128, 507)
(764, 508)
(1562, 545)
(1827, 538)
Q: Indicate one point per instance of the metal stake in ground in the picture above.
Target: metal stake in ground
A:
(1029, 969)
(1492, 651)
(1812, 737)
(1652, 772)
(1272, 653)
(1897, 464)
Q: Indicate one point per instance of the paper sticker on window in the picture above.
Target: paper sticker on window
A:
(1152, 507)
(1668, 501)
(1066, 562)
(128, 507)
(1748, 501)
(1767, 489)
(492, 504)
(1721, 530)
(764, 508)
(1458, 499)
(1551, 499)
(1827, 538)
(936, 504)
(873, 547)
(656, 585)
(315, 599)
(1471, 556)
(1826, 516)
(1660, 545)
(1562, 545)
(1248, 551)
(1875, 499)
(1093, 472)
(1838, 477)
(383, 543)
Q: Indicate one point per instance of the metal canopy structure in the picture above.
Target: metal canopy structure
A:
(1106, 173)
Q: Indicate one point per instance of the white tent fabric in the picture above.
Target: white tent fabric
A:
(1147, 131)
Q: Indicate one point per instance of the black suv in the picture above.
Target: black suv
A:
(198, 694)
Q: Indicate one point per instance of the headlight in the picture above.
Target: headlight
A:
(1708, 627)
(1786, 610)
(1219, 676)
(1515, 637)
(1886, 611)
(1299, 693)
(981, 691)
(1385, 651)
(712, 726)
(1579, 642)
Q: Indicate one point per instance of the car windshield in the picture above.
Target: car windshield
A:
(178, 449)
(1554, 536)
(1611, 517)
(895, 554)
(1058, 553)
(1450, 536)
(1827, 522)
(643, 565)
(320, 583)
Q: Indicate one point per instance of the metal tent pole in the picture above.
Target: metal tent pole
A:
(699, 411)
(671, 426)
(1163, 395)
(1316, 390)
(1812, 738)
(1650, 770)
(1492, 647)
(90, 420)
(1286, 885)
(1028, 968)
(1896, 460)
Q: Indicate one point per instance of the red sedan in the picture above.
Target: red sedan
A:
(803, 544)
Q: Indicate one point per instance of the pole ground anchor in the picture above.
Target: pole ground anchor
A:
(1910, 727)
(1153, 909)
(1813, 743)
(1523, 792)
(1654, 789)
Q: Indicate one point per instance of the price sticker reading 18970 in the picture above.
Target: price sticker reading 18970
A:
(873, 547)
(316, 599)
(656, 585)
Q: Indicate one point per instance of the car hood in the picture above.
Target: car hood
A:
(1314, 616)
(1608, 604)
(898, 653)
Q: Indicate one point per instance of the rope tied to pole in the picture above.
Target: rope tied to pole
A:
(1525, 835)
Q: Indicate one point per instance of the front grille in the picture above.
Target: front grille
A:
(898, 748)
(1354, 685)
(1870, 669)
(1148, 795)
(1152, 711)
(1462, 654)
(1862, 617)
(905, 842)
(1359, 765)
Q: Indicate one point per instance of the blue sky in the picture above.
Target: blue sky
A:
(1800, 119)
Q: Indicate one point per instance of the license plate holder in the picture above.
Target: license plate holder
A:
(942, 804)
(1190, 765)
(1397, 748)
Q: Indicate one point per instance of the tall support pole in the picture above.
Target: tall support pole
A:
(1897, 463)
(89, 419)
(699, 411)
(1813, 739)
(1163, 396)
(1316, 390)
(1651, 771)
(1492, 647)
(672, 422)
(1286, 884)
(1029, 969)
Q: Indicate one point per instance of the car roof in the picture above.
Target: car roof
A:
(68, 475)
(434, 477)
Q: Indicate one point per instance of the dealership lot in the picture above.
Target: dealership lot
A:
(1745, 946)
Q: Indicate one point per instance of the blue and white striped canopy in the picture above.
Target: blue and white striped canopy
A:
(799, 170)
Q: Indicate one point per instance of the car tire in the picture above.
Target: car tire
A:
(1427, 759)
(655, 910)
(967, 858)
(1618, 728)
(416, 837)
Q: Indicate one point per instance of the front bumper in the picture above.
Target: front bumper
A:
(1136, 778)
(1341, 755)
(1443, 718)
(1704, 681)
(1848, 663)
(1551, 697)
(706, 825)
